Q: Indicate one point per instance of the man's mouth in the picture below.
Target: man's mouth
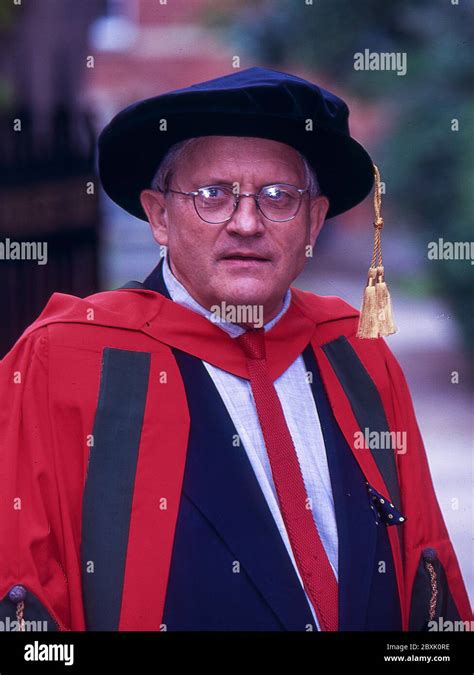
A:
(245, 257)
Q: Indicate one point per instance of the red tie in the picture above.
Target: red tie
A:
(318, 577)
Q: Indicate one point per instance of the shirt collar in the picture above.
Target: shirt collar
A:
(180, 295)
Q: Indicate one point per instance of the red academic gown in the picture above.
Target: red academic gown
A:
(49, 391)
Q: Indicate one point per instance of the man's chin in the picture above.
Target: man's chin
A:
(245, 309)
(257, 300)
(242, 294)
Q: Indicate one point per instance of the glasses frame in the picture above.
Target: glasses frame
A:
(237, 196)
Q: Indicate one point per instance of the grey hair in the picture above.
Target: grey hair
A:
(162, 176)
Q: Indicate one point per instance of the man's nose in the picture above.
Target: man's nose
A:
(247, 219)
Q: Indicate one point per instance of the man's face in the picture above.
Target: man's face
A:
(208, 259)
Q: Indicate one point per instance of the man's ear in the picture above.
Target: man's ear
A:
(318, 209)
(154, 205)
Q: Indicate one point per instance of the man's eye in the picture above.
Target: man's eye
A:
(273, 193)
(213, 192)
(276, 194)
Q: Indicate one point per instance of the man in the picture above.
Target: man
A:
(181, 454)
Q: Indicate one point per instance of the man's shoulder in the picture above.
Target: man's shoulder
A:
(121, 308)
(329, 312)
(337, 320)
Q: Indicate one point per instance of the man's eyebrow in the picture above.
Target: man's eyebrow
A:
(219, 181)
(213, 181)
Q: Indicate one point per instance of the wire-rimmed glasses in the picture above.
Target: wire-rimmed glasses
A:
(216, 204)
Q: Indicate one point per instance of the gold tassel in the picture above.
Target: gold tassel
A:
(384, 305)
(368, 322)
(376, 316)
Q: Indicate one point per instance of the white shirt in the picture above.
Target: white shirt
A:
(294, 392)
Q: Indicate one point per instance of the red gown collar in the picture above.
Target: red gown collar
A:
(184, 329)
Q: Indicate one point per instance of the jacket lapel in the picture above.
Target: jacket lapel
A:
(155, 281)
(355, 523)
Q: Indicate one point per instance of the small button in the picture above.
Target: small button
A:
(429, 554)
(17, 594)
